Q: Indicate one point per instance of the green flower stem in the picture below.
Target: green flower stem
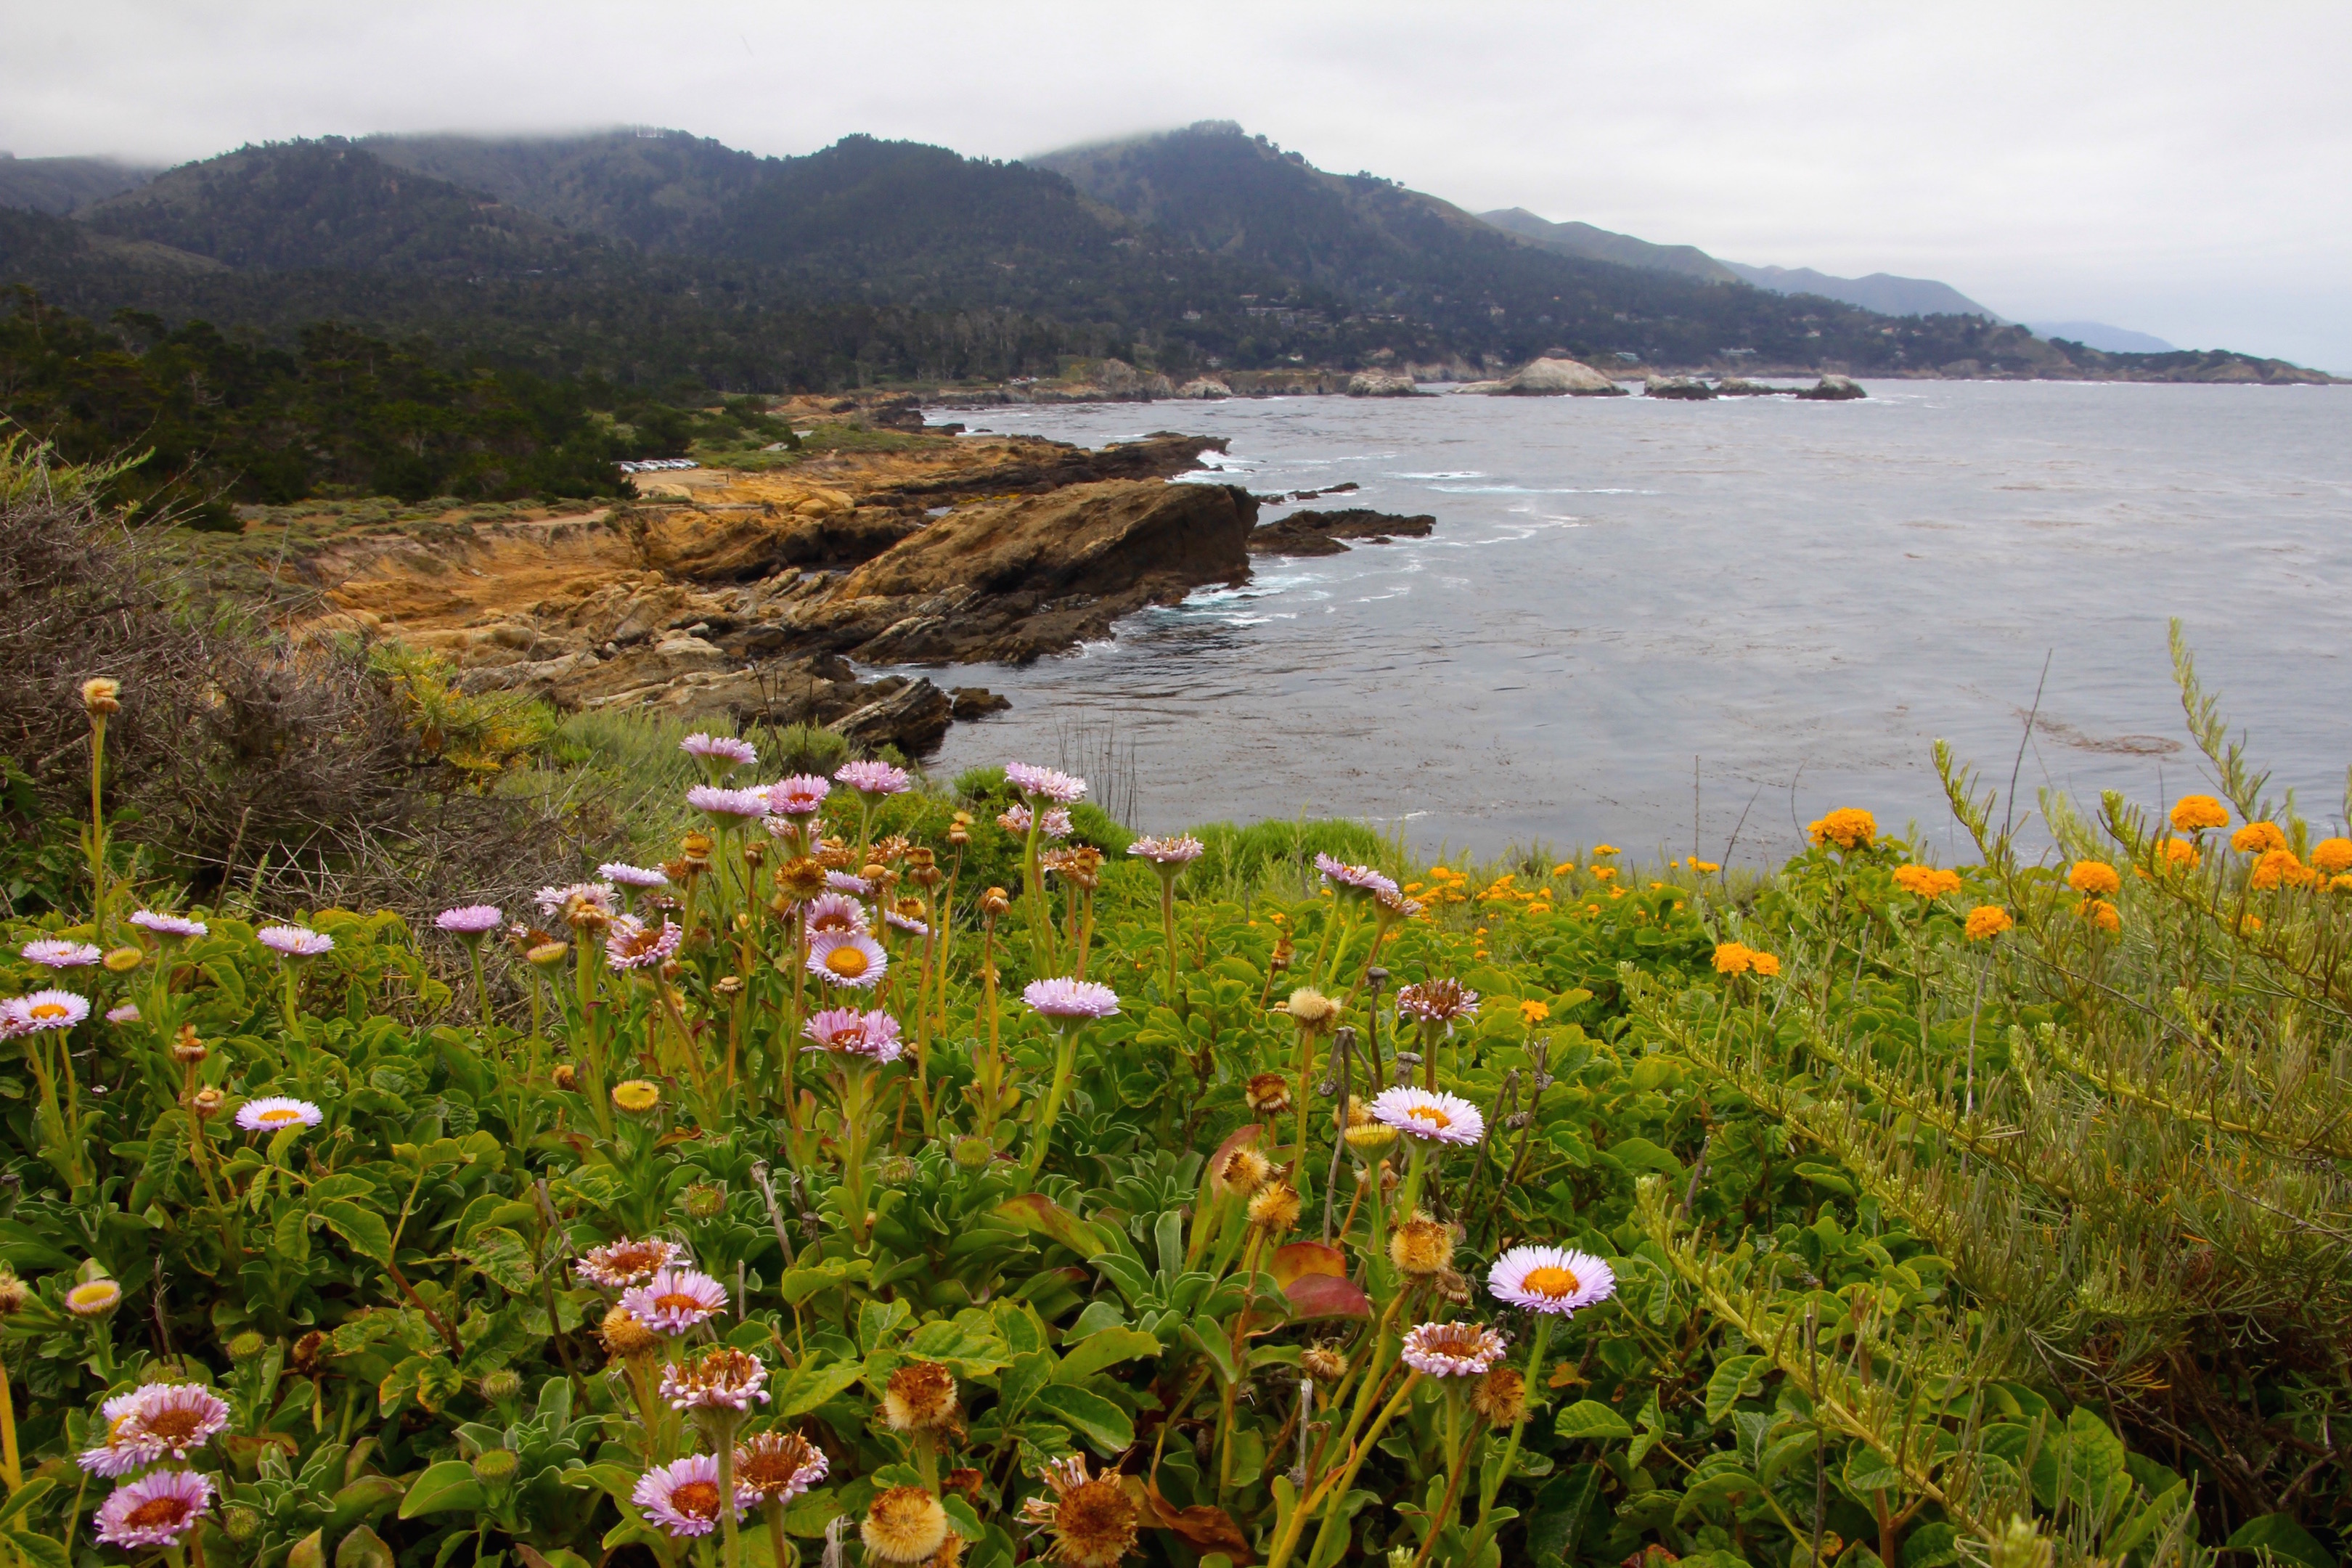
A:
(1488, 1489)
(718, 1430)
(1049, 1109)
(1175, 999)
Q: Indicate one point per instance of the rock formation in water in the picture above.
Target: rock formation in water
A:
(1834, 389)
(1382, 383)
(1550, 378)
(1688, 388)
(1323, 533)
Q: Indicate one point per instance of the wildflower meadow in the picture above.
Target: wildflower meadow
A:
(893, 1173)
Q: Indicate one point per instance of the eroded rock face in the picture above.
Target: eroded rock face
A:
(1322, 532)
(1550, 378)
(1381, 383)
(1688, 388)
(1012, 580)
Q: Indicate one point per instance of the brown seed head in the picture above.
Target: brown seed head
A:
(995, 901)
(1275, 1208)
(1501, 1396)
(1246, 1171)
(696, 847)
(919, 1398)
(624, 1335)
(102, 696)
(566, 1075)
(1323, 1364)
(14, 1293)
(1311, 1010)
(1454, 1287)
(309, 1353)
(800, 879)
(755, 852)
(965, 1483)
(207, 1102)
(1268, 1094)
(187, 1048)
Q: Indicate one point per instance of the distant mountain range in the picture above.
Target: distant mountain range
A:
(2101, 336)
(661, 257)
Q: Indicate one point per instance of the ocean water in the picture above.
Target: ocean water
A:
(1691, 628)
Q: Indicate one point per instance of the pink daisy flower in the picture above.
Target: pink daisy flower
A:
(721, 1379)
(675, 1299)
(591, 898)
(847, 958)
(728, 807)
(155, 1421)
(803, 795)
(1550, 1280)
(683, 1497)
(842, 882)
(630, 943)
(44, 1010)
(277, 1113)
(1361, 881)
(469, 920)
(852, 1033)
(622, 874)
(1051, 783)
(617, 1264)
(1016, 819)
(1070, 998)
(873, 778)
(176, 926)
(1437, 1001)
(294, 942)
(154, 1510)
(1430, 1115)
(126, 1013)
(721, 753)
(1453, 1349)
(835, 911)
(53, 952)
(1180, 851)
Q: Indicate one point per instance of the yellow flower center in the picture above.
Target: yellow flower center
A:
(171, 1424)
(678, 1300)
(699, 1499)
(48, 1010)
(97, 1293)
(1431, 1115)
(1550, 1281)
(849, 963)
(276, 1114)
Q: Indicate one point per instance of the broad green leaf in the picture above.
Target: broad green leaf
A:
(363, 1231)
(2280, 1535)
(447, 1485)
(1036, 1213)
(504, 1256)
(1868, 1471)
(809, 1387)
(1589, 1419)
(1100, 1422)
(1106, 1349)
(1734, 1376)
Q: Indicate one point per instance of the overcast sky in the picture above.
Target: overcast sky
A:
(2178, 170)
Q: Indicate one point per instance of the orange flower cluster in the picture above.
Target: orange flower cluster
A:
(1987, 922)
(2103, 914)
(2279, 868)
(2180, 855)
(1927, 881)
(2258, 839)
(1848, 827)
(2195, 812)
(2331, 857)
(2096, 877)
(1737, 958)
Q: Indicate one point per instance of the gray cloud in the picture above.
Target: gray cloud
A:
(2175, 169)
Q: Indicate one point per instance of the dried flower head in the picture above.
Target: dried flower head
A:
(1245, 1171)
(800, 881)
(1274, 1208)
(1500, 1397)
(565, 1076)
(1093, 1521)
(995, 901)
(777, 1466)
(101, 695)
(1268, 1094)
(919, 1398)
(207, 1102)
(1324, 1364)
(903, 1524)
(1437, 1001)
(14, 1292)
(626, 1334)
(1422, 1247)
(1313, 1011)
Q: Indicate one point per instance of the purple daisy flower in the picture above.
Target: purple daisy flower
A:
(835, 911)
(907, 924)
(1016, 819)
(1361, 881)
(1453, 1349)
(873, 778)
(1556, 1279)
(622, 874)
(1070, 998)
(155, 1421)
(683, 1497)
(469, 920)
(1429, 1115)
(128, 1013)
(842, 882)
(155, 1509)
(294, 942)
(720, 753)
(1051, 783)
(176, 926)
(617, 1264)
(55, 953)
(849, 1032)
(675, 1299)
(721, 1379)
(847, 958)
(588, 897)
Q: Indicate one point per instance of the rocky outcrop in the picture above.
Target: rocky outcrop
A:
(739, 547)
(1834, 389)
(1033, 466)
(1203, 387)
(1014, 579)
(1733, 387)
(1322, 532)
(1382, 383)
(1550, 378)
(1688, 388)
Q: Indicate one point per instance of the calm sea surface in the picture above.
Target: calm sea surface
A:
(1787, 600)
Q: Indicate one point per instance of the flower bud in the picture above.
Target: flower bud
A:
(995, 901)
(242, 1524)
(14, 1293)
(102, 696)
(493, 1466)
(729, 985)
(502, 1384)
(207, 1102)
(974, 1152)
(896, 1172)
(637, 1096)
(548, 955)
(123, 960)
(703, 1201)
(188, 1050)
(247, 1345)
